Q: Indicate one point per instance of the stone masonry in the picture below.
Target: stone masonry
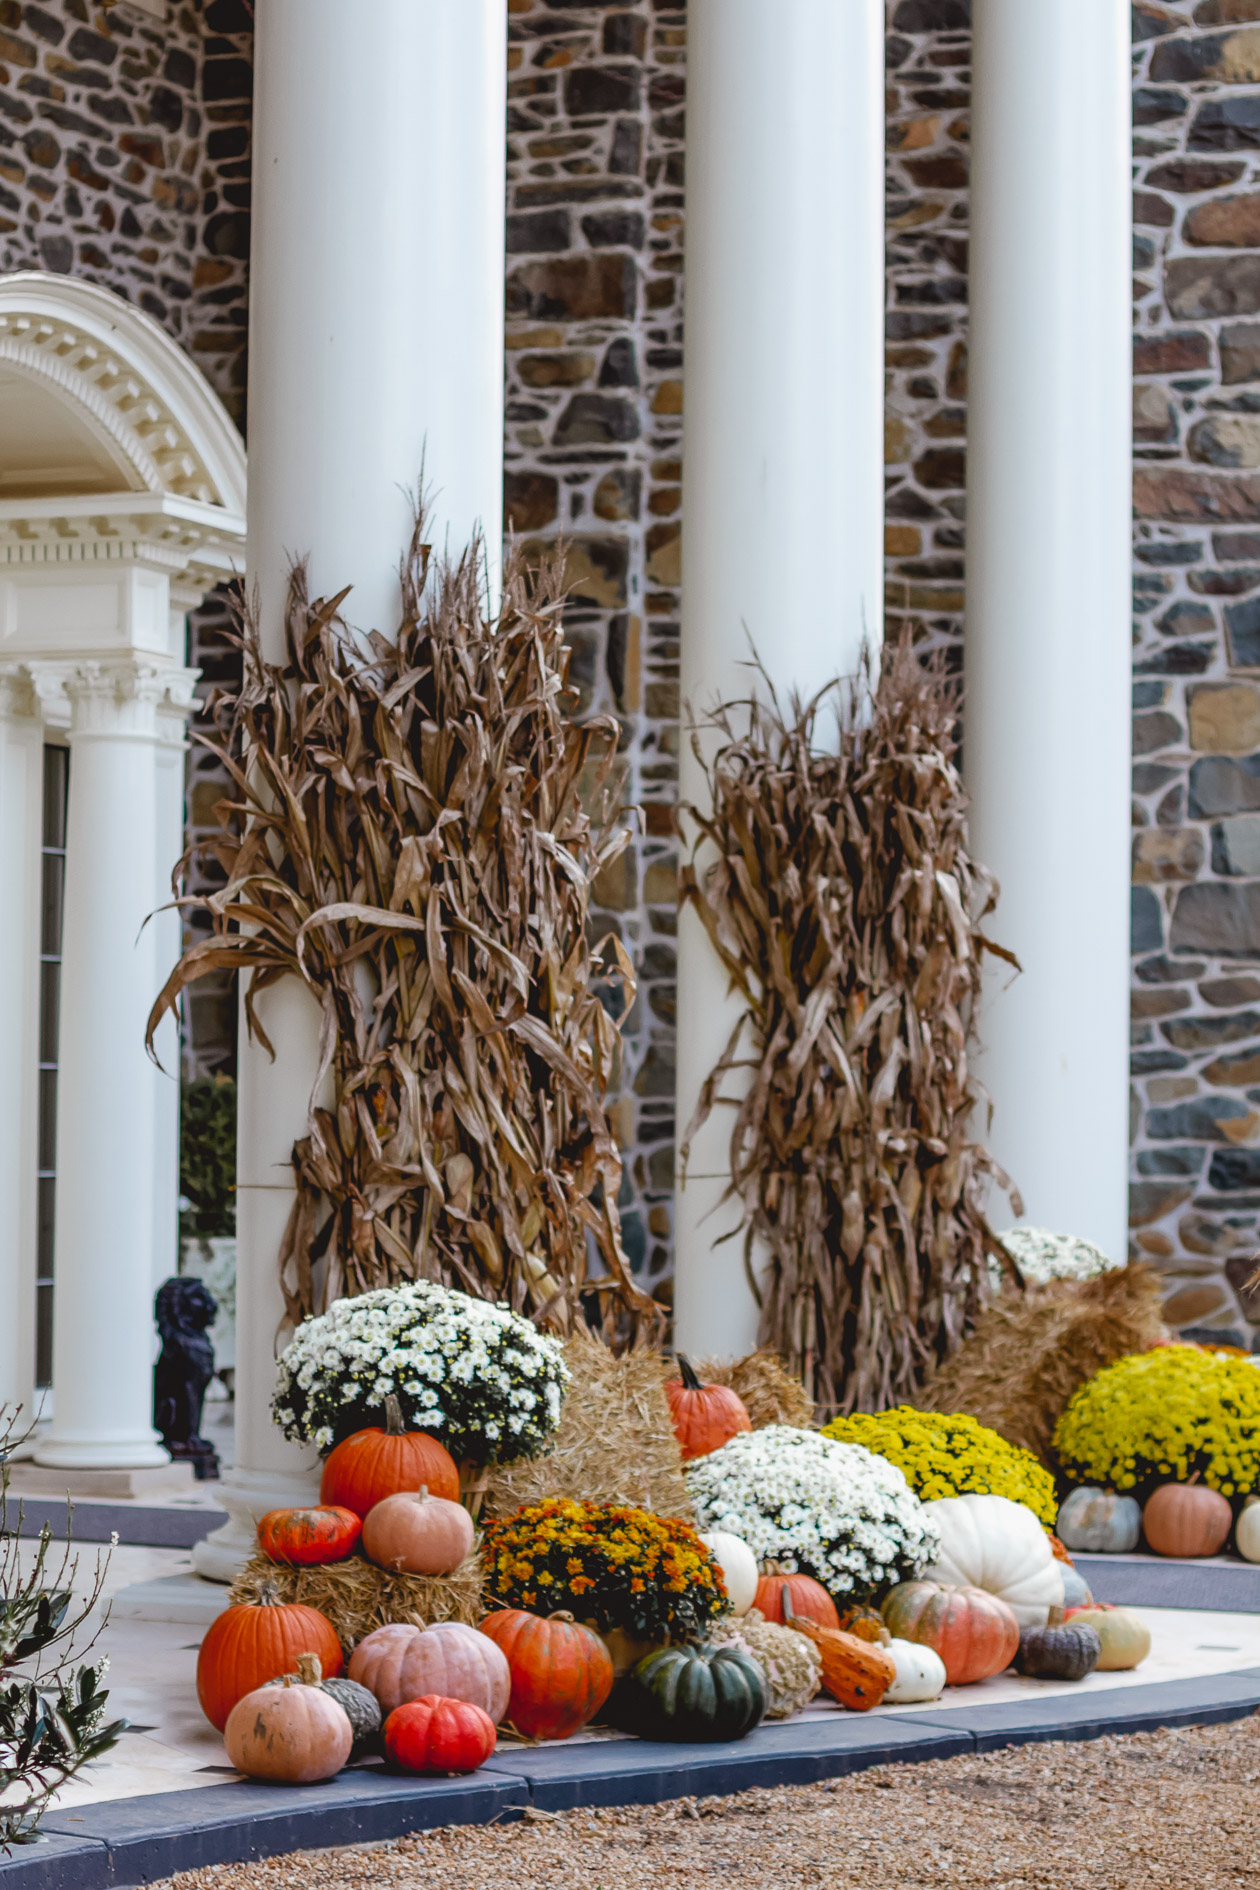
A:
(124, 155)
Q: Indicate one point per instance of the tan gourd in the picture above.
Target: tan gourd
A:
(418, 1534)
(291, 1732)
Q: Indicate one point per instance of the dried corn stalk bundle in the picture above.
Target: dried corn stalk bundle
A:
(410, 837)
(836, 887)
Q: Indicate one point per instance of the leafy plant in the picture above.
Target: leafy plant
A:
(207, 1156)
(410, 837)
(52, 1713)
(1165, 1416)
(834, 881)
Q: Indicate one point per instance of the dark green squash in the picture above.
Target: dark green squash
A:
(1062, 1650)
(360, 1707)
(692, 1693)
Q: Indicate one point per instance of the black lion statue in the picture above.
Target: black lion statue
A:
(183, 1309)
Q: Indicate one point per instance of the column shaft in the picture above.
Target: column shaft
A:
(103, 1323)
(1047, 653)
(21, 783)
(376, 319)
(783, 455)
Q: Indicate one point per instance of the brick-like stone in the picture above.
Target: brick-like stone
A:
(1202, 288)
(596, 287)
(597, 420)
(1242, 627)
(556, 370)
(1234, 1170)
(1192, 176)
(530, 500)
(1210, 1033)
(1236, 1072)
(1145, 920)
(1159, 855)
(1225, 222)
(1154, 416)
(1207, 1119)
(1195, 497)
(1191, 1303)
(534, 232)
(1224, 718)
(1219, 786)
(1236, 847)
(1227, 58)
(1222, 919)
(1156, 731)
(1227, 124)
(1188, 352)
(1240, 353)
(1226, 439)
(1151, 1200)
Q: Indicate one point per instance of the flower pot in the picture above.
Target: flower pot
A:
(623, 1650)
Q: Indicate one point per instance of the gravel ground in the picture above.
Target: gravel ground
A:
(1169, 1808)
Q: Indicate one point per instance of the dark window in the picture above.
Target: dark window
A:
(52, 903)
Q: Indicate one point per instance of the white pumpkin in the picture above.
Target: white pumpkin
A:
(1247, 1530)
(738, 1565)
(920, 1674)
(990, 1542)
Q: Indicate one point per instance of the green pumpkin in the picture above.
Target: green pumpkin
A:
(1062, 1650)
(693, 1693)
(360, 1707)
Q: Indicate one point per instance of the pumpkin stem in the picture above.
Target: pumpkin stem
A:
(686, 1372)
(422, 1494)
(1055, 1617)
(269, 1595)
(562, 1614)
(393, 1417)
(310, 1671)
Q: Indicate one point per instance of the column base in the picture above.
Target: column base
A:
(144, 1483)
(62, 1451)
(246, 1495)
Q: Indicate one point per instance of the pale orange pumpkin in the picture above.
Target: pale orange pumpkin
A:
(289, 1731)
(1187, 1519)
(418, 1534)
(399, 1663)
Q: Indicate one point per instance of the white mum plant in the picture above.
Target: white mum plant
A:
(480, 1377)
(809, 1503)
(1042, 1255)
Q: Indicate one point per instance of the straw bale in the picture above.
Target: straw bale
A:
(1031, 1351)
(357, 1596)
(615, 1443)
(771, 1393)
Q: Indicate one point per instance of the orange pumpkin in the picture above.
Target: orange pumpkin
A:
(418, 1533)
(807, 1599)
(974, 1632)
(374, 1464)
(308, 1538)
(561, 1671)
(705, 1416)
(254, 1641)
(290, 1731)
(1187, 1519)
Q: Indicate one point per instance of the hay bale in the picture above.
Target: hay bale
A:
(1031, 1351)
(357, 1596)
(771, 1394)
(615, 1443)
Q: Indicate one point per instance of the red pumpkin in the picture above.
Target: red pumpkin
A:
(437, 1735)
(974, 1632)
(307, 1538)
(806, 1598)
(561, 1671)
(254, 1641)
(705, 1416)
(374, 1464)
(1187, 1519)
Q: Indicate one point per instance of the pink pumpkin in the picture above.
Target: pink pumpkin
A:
(400, 1663)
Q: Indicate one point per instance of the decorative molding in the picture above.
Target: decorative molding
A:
(109, 698)
(140, 395)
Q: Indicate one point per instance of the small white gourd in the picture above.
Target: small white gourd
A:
(1247, 1530)
(920, 1674)
(738, 1566)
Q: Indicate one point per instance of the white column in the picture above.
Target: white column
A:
(103, 1323)
(167, 929)
(783, 456)
(376, 315)
(1047, 651)
(21, 798)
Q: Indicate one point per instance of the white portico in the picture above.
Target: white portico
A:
(122, 498)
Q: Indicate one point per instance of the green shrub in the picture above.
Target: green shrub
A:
(207, 1157)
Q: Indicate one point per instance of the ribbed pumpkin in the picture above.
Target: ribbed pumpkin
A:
(360, 1707)
(805, 1596)
(857, 1673)
(309, 1538)
(561, 1672)
(993, 1543)
(373, 1464)
(418, 1533)
(438, 1735)
(400, 1662)
(291, 1731)
(692, 1693)
(1062, 1650)
(1126, 1640)
(1247, 1530)
(975, 1634)
(705, 1416)
(1187, 1519)
(1100, 1522)
(255, 1640)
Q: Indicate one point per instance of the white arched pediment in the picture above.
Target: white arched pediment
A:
(107, 382)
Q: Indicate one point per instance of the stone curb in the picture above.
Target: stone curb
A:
(1215, 1584)
(133, 1841)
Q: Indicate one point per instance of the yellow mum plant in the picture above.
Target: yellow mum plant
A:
(1165, 1416)
(951, 1455)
